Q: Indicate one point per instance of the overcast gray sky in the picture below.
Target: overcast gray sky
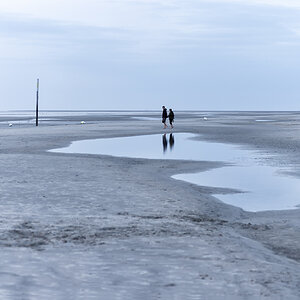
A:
(141, 54)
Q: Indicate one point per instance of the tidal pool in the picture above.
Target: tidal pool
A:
(262, 187)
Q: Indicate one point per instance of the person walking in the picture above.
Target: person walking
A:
(171, 117)
(164, 116)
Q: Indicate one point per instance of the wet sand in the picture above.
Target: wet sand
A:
(102, 227)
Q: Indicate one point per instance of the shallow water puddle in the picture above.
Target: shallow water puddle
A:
(264, 187)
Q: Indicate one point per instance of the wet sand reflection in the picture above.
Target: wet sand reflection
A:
(165, 142)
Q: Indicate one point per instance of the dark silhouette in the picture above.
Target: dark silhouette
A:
(165, 142)
(171, 141)
(171, 117)
(164, 116)
(37, 104)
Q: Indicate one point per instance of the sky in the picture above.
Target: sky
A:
(142, 54)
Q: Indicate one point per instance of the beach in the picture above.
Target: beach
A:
(83, 226)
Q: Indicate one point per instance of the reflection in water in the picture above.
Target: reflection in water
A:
(171, 141)
(165, 142)
(264, 186)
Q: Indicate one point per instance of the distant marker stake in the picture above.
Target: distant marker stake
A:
(37, 104)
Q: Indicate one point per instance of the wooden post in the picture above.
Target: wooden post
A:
(37, 105)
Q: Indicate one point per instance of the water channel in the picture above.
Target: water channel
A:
(262, 187)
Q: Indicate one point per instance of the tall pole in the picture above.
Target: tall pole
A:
(37, 104)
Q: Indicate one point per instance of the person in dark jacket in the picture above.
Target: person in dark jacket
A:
(171, 117)
(164, 116)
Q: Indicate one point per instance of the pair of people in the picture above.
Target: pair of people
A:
(165, 116)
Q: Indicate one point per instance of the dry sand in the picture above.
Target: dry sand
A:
(77, 226)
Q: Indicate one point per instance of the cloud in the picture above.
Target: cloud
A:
(165, 30)
(278, 3)
(30, 38)
(224, 52)
(275, 3)
(156, 29)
